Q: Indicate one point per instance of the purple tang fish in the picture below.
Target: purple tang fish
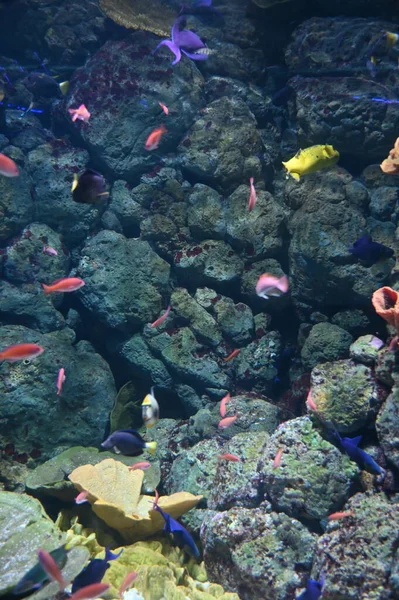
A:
(184, 41)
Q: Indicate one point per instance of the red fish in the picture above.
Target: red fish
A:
(89, 592)
(80, 113)
(8, 168)
(20, 352)
(60, 380)
(82, 497)
(252, 195)
(49, 251)
(233, 354)
(143, 465)
(127, 582)
(226, 422)
(223, 403)
(67, 284)
(270, 285)
(52, 569)
(230, 457)
(310, 402)
(162, 318)
(277, 458)
(164, 108)
(340, 515)
(154, 138)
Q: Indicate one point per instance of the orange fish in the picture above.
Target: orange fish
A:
(223, 403)
(226, 422)
(252, 195)
(340, 515)
(143, 465)
(230, 457)
(162, 318)
(8, 168)
(20, 351)
(80, 113)
(277, 458)
(67, 284)
(164, 108)
(233, 354)
(310, 402)
(154, 138)
(127, 583)
(89, 592)
(51, 568)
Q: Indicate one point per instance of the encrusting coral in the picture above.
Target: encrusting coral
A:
(114, 494)
(386, 304)
(140, 14)
(391, 164)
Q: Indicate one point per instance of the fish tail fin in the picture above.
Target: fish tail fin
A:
(295, 176)
(251, 180)
(46, 288)
(151, 447)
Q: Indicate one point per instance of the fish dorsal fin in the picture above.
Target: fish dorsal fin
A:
(354, 441)
(298, 154)
(75, 182)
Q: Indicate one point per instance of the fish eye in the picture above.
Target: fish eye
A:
(26, 361)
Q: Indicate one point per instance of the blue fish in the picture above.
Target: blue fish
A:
(364, 460)
(181, 536)
(312, 591)
(368, 251)
(94, 571)
(128, 442)
(37, 577)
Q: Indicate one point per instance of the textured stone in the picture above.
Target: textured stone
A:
(325, 342)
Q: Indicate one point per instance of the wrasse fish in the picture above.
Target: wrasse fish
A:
(80, 113)
(270, 285)
(310, 160)
(223, 403)
(252, 195)
(8, 167)
(154, 138)
(20, 352)
(227, 422)
(150, 410)
(66, 284)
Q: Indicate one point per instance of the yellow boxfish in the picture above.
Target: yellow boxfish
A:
(311, 159)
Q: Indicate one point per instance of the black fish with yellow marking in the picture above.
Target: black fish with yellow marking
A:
(89, 188)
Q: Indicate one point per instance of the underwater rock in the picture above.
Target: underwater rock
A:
(26, 305)
(25, 529)
(205, 214)
(346, 394)
(259, 235)
(189, 312)
(128, 211)
(323, 272)
(355, 321)
(216, 87)
(16, 205)
(34, 417)
(325, 342)
(211, 262)
(366, 349)
(122, 84)
(50, 478)
(256, 552)
(124, 280)
(139, 361)
(51, 167)
(360, 554)
(387, 426)
(229, 60)
(383, 202)
(256, 364)
(314, 477)
(28, 263)
(233, 139)
(235, 320)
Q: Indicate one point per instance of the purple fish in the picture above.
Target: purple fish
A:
(184, 41)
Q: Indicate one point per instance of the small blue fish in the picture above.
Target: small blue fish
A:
(94, 571)
(368, 251)
(181, 536)
(37, 577)
(312, 591)
(128, 442)
(364, 460)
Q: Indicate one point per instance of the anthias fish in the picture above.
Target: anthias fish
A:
(89, 188)
(128, 442)
(66, 284)
(8, 168)
(310, 160)
(81, 113)
(21, 352)
(270, 285)
(154, 138)
(52, 569)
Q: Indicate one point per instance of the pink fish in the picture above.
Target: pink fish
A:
(82, 497)
(232, 355)
(252, 195)
(52, 569)
(127, 583)
(89, 592)
(310, 402)
(60, 380)
(226, 422)
(164, 108)
(162, 318)
(230, 457)
(8, 167)
(223, 403)
(50, 251)
(143, 465)
(20, 352)
(66, 284)
(80, 113)
(270, 285)
(277, 458)
(340, 515)
(154, 138)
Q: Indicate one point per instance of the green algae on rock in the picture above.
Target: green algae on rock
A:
(325, 342)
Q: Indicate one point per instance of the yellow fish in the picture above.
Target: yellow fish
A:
(311, 159)
(391, 38)
(150, 410)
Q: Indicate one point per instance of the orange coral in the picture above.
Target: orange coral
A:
(386, 304)
(391, 164)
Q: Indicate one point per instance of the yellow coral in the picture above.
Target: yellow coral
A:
(114, 493)
(154, 16)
